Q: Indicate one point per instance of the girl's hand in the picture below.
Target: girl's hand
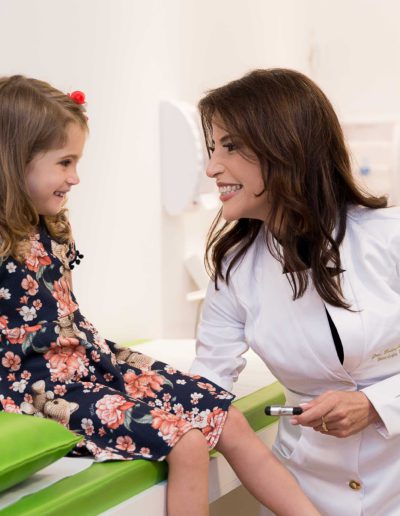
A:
(338, 413)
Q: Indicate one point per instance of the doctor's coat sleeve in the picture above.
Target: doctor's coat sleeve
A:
(221, 337)
(385, 397)
(385, 394)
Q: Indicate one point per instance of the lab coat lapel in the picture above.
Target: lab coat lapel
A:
(349, 322)
(297, 329)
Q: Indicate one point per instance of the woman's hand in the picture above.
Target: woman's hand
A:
(338, 413)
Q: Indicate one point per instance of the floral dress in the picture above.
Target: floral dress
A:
(53, 363)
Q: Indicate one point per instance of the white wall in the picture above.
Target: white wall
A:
(355, 54)
(222, 40)
(127, 55)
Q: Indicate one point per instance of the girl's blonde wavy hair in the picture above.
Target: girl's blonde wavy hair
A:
(33, 119)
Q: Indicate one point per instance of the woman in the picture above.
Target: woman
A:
(305, 272)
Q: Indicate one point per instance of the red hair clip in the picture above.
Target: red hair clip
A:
(78, 97)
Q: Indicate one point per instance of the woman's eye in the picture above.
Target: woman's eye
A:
(65, 162)
(230, 146)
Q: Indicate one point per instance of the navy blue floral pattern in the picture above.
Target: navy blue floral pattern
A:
(53, 363)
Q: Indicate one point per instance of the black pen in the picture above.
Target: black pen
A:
(280, 410)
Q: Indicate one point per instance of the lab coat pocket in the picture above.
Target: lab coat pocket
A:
(288, 439)
(322, 455)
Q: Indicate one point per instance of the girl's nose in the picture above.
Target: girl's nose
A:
(73, 178)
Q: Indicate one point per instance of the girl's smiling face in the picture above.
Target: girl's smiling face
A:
(51, 175)
(238, 175)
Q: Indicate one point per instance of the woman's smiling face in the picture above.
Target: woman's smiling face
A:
(238, 175)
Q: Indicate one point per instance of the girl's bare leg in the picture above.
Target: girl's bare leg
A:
(187, 491)
(260, 471)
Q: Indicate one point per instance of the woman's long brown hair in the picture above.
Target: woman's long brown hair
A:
(289, 124)
(34, 118)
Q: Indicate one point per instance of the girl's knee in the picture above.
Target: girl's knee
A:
(191, 447)
(236, 431)
(235, 422)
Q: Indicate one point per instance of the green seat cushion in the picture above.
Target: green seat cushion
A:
(28, 444)
(105, 485)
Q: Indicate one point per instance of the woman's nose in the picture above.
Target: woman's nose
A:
(214, 167)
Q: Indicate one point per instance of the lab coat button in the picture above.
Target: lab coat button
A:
(354, 485)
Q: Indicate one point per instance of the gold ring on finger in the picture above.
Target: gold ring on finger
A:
(323, 425)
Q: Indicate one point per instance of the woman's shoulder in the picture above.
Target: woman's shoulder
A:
(361, 214)
(246, 263)
(384, 223)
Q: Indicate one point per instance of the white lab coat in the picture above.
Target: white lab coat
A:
(294, 340)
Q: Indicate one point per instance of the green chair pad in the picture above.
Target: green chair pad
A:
(105, 485)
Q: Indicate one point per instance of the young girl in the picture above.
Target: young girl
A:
(53, 361)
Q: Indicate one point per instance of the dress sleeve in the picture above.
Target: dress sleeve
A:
(385, 397)
(221, 337)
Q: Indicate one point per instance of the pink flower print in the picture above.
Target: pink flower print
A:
(169, 369)
(38, 256)
(207, 386)
(30, 285)
(98, 387)
(145, 452)
(111, 410)
(143, 385)
(67, 360)
(193, 376)
(5, 293)
(195, 397)
(108, 377)
(88, 385)
(102, 432)
(170, 427)
(28, 314)
(87, 425)
(28, 398)
(19, 386)
(9, 406)
(212, 420)
(24, 300)
(125, 443)
(178, 409)
(11, 361)
(95, 356)
(37, 304)
(65, 304)
(101, 343)
(3, 322)
(19, 335)
(25, 374)
(60, 390)
(167, 406)
(11, 267)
